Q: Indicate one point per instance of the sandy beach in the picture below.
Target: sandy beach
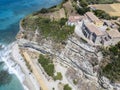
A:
(37, 79)
(29, 81)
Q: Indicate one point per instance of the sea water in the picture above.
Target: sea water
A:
(11, 12)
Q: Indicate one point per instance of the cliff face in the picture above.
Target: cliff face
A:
(82, 60)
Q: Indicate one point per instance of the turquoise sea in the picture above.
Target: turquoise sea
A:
(11, 12)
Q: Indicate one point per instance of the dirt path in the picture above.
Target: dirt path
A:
(35, 72)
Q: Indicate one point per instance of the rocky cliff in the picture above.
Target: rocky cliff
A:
(82, 60)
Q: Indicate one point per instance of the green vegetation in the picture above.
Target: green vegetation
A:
(99, 1)
(83, 40)
(83, 3)
(75, 81)
(47, 64)
(67, 87)
(119, 29)
(5, 77)
(65, 1)
(103, 15)
(111, 64)
(28, 66)
(100, 13)
(83, 7)
(82, 11)
(57, 30)
(58, 76)
(62, 21)
(108, 29)
(44, 10)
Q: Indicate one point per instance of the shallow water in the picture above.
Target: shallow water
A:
(11, 11)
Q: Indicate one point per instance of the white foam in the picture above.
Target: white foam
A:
(10, 65)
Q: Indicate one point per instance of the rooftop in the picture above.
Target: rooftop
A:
(75, 18)
(92, 17)
(113, 33)
(92, 28)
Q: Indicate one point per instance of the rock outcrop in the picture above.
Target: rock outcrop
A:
(81, 59)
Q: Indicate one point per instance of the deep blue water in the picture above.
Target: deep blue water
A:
(11, 11)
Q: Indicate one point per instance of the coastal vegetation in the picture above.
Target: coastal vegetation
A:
(56, 30)
(82, 8)
(67, 87)
(47, 64)
(5, 77)
(119, 29)
(103, 15)
(49, 68)
(99, 1)
(111, 9)
(58, 76)
(50, 23)
(75, 81)
(111, 63)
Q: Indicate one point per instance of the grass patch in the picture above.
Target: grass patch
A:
(75, 81)
(67, 87)
(58, 76)
(47, 64)
(57, 30)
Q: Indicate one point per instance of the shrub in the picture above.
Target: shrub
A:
(67, 87)
(83, 3)
(119, 29)
(44, 10)
(47, 64)
(58, 76)
(112, 69)
(63, 21)
(75, 81)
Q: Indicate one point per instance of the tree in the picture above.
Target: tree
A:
(43, 10)
(83, 3)
(63, 21)
(58, 76)
(102, 14)
(110, 67)
(82, 11)
(67, 87)
(47, 64)
(50, 69)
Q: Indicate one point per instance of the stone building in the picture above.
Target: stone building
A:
(94, 34)
(73, 20)
(92, 18)
(114, 37)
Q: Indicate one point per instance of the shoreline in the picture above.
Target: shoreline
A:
(29, 81)
(16, 65)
